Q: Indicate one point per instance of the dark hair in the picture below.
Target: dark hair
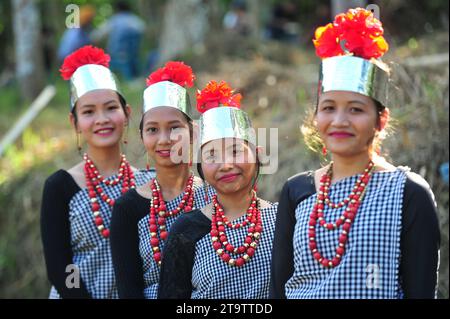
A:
(239, 5)
(312, 137)
(258, 166)
(122, 101)
(122, 6)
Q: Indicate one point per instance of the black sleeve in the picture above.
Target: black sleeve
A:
(282, 251)
(175, 281)
(55, 232)
(294, 191)
(127, 262)
(420, 240)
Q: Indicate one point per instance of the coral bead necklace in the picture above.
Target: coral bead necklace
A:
(219, 239)
(95, 190)
(159, 213)
(353, 202)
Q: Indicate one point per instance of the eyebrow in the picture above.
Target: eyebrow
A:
(358, 102)
(170, 122)
(327, 101)
(349, 102)
(93, 105)
(211, 148)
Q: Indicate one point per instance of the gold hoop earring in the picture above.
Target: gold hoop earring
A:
(125, 135)
(206, 191)
(79, 142)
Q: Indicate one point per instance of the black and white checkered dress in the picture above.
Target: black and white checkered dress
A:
(92, 252)
(151, 269)
(212, 278)
(370, 266)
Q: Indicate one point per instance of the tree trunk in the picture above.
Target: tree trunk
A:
(28, 48)
(341, 6)
(184, 27)
(254, 10)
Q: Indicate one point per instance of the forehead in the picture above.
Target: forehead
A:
(98, 97)
(345, 96)
(224, 143)
(164, 114)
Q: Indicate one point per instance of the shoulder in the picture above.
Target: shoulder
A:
(301, 179)
(416, 182)
(299, 187)
(193, 225)
(131, 205)
(129, 198)
(143, 176)
(419, 207)
(269, 209)
(59, 189)
(61, 180)
(60, 176)
(417, 188)
(78, 174)
(267, 205)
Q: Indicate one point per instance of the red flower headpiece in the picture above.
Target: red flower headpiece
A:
(85, 55)
(215, 94)
(176, 72)
(359, 31)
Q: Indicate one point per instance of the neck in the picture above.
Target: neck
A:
(172, 179)
(107, 160)
(236, 204)
(348, 166)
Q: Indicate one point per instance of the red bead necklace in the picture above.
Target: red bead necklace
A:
(93, 181)
(159, 213)
(353, 201)
(220, 241)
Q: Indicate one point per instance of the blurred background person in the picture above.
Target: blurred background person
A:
(236, 20)
(75, 38)
(124, 30)
(284, 25)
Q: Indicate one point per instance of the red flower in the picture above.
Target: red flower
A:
(176, 72)
(327, 41)
(85, 55)
(215, 94)
(359, 20)
(358, 29)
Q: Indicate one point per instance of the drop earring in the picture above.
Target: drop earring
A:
(79, 142)
(125, 135)
(324, 151)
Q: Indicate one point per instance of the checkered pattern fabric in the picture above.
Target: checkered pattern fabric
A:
(92, 252)
(369, 268)
(151, 269)
(214, 279)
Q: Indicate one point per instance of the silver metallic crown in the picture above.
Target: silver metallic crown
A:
(226, 122)
(168, 94)
(91, 77)
(354, 74)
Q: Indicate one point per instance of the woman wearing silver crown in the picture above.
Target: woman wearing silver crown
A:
(222, 251)
(358, 227)
(143, 217)
(77, 203)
